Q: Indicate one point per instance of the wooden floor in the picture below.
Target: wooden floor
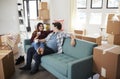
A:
(42, 74)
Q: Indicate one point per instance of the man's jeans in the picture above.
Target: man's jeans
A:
(31, 53)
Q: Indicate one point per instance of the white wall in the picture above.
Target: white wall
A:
(8, 17)
(60, 9)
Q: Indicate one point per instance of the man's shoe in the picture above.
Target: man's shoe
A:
(32, 72)
(25, 68)
(20, 60)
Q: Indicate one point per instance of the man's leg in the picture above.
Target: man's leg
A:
(31, 51)
(47, 51)
(37, 58)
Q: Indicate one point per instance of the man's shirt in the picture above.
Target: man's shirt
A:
(59, 40)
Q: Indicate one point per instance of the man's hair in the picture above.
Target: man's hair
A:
(58, 25)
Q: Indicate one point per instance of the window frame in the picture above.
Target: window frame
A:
(108, 7)
(97, 7)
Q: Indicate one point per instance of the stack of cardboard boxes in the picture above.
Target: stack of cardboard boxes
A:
(43, 12)
(106, 57)
(113, 29)
(80, 34)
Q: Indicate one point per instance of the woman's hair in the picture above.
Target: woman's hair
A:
(38, 25)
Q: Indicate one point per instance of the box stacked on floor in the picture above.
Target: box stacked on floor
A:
(113, 29)
(107, 61)
(7, 68)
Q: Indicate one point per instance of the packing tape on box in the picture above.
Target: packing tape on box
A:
(104, 51)
(103, 72)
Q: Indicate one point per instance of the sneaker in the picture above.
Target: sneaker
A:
(32, 72)
(20, 60)
(25, 68)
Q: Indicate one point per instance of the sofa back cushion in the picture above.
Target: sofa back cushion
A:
(81, 49)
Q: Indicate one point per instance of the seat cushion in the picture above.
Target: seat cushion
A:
(58, 61)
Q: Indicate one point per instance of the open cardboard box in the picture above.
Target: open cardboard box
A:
(12, 41)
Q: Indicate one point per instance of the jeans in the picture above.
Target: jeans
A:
(38, 45)
(31, 53)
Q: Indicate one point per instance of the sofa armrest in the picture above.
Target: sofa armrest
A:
(27, 44)
(81, 68)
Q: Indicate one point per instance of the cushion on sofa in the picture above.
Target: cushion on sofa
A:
(58, 61)
(82, 48)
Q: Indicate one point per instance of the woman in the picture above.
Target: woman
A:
(38, 34)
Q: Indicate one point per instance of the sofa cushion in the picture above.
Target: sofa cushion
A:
(82, 48)
(58, 61)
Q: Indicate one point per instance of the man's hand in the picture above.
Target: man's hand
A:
(72, 40)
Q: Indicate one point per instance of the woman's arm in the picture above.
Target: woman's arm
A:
(42, 40)
(33, 36)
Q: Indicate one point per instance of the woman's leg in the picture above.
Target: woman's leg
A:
(35, 45)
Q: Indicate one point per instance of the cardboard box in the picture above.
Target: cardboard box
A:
(110, 16)
(78, 32)
(78, 36)
(113, 27)
(106, 61)
(113, 39)
(43, 5)
(96, 39)
(82, 32)
(102, 77)
(6, 64)
(44, 14)
(12, 41)
(5, 47)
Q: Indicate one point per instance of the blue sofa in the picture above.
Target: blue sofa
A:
(73, 63)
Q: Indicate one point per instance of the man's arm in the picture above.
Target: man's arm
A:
(46, 39)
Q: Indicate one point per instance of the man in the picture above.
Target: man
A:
(53, 44)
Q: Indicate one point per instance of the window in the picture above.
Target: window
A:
(80, 20)
(95, 18)
(96, 4)
(81, 4)
(33, 9)
(112, 4)
(92, 16)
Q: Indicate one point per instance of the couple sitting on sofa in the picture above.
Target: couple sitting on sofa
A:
(45, 45)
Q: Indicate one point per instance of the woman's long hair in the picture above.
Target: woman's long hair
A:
(38, 25)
